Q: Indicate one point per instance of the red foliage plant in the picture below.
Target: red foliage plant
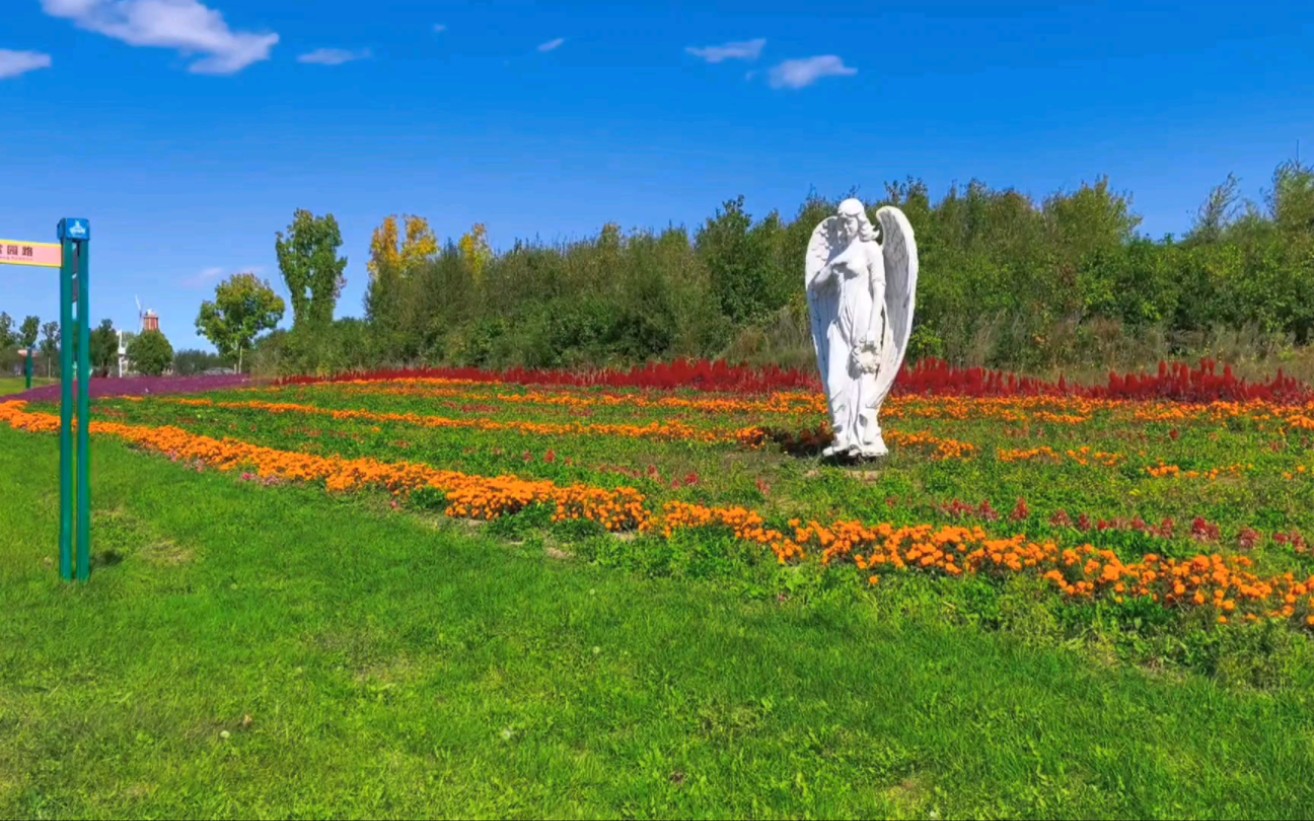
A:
(1176, 381)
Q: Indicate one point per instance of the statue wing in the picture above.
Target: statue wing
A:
(900, 253)
(823, 302)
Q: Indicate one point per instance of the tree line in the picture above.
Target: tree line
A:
(148, 353)
(1006, 281)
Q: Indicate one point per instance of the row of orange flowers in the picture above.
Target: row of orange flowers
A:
(1054, 410)
(780, 402)
(1082, 456)
(1072, 410)
(1162, 470)
(747, 437)
(669, 431)
(468, 496)
(943, 448)
(752, 437)
(1226, 585)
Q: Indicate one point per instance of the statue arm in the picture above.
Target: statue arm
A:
(824, 274)
(875, 328)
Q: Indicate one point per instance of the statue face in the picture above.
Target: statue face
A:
(850, 222)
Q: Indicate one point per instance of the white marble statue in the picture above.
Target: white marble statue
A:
(860, 295)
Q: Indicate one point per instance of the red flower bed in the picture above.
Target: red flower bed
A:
(1176, 381)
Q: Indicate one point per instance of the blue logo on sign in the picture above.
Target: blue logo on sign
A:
(75, 229)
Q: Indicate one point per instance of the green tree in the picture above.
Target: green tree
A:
(243, 308)
(29, 331)
(736, 263)
(150, 353)
(104, 351)
(7, 339)
(308, 259)
(1291, 200)
(50, 345)
(390, 303)
(1218, 212)
(192, 361)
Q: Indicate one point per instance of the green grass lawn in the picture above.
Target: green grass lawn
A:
(247, 651)
(11, 384)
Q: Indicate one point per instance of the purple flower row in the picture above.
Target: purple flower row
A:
(138, 386)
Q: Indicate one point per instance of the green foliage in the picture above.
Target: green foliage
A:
(150, 353)
(243, 307)
(7, 338)
(308, 259)
(104, 353)
(29, 331)
(191, 362)
(1006, 281)
(50, 345)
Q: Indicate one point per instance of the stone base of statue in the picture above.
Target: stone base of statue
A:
(851, 453)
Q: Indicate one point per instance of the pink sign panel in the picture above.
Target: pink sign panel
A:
(41, 254)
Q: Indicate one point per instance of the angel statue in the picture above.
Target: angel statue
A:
(860, 296)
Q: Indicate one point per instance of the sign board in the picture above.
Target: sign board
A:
(73, 228)
(40, 254)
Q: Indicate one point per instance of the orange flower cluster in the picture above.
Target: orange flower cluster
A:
(468, 496)
(1225, 584)
(1162, 470)
(657, 430)
(1084, 456)
(1296, 418)
(1044, 452)
(746, 525)
(1053, 410)
(944, 448)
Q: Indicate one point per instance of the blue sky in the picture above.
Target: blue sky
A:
(188, 131)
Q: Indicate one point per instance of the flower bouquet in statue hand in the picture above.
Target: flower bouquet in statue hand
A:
(866, 356)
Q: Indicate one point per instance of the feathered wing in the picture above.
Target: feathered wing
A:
(900, 252)
(823, 302)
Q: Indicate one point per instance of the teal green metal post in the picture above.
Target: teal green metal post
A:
(27, 370)
(68, 337)
(83, 266)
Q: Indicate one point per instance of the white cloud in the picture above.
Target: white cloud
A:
(332, 56)
(805, 72)
(215, 273)
(187, 26)
(552, 45)
(742, 50)
(439, 28)
(14, 63)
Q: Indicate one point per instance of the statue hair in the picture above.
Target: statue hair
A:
(854, 207)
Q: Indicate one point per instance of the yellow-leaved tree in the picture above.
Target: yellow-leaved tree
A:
(475, 251)
(393, 265)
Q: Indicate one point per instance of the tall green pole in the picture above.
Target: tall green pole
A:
(75, 334)
(84, 410)
(68, 337)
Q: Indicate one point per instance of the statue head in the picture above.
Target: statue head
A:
(853, 216)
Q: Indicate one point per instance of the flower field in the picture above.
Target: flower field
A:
(1175, 503)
